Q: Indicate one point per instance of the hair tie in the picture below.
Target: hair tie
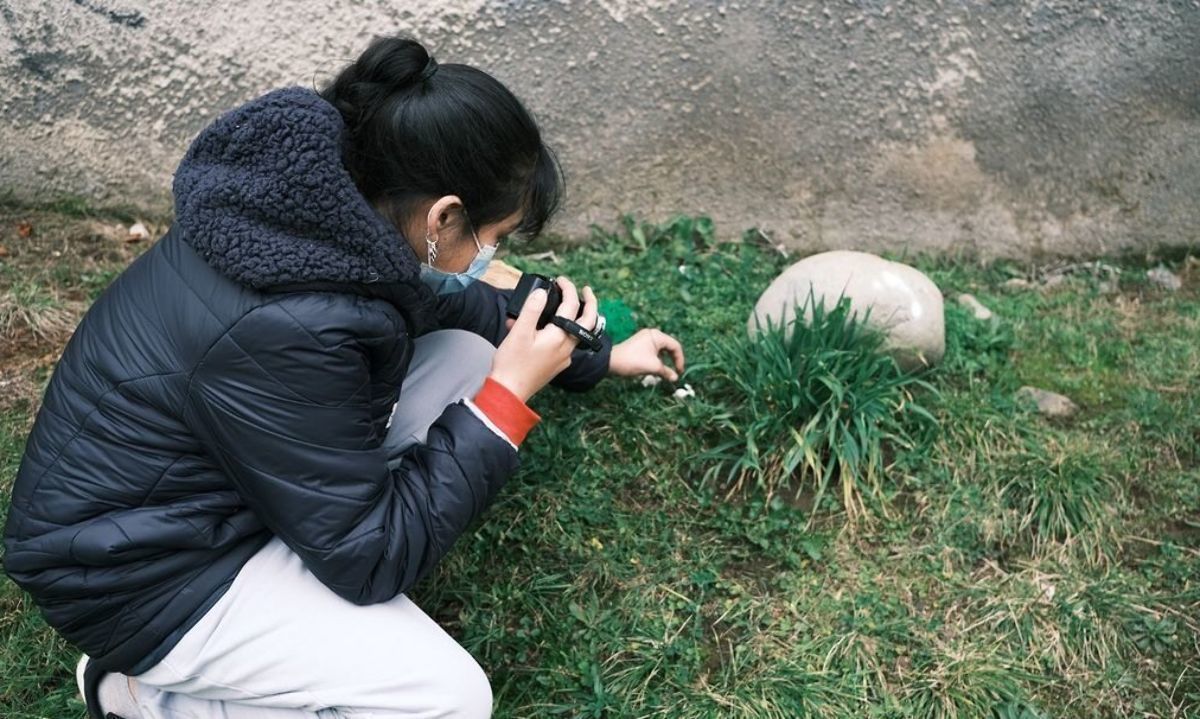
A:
(430, 68)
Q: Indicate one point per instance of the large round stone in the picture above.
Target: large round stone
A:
(905, 304)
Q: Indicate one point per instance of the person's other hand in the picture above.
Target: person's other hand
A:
(529, 358)
(642, 354)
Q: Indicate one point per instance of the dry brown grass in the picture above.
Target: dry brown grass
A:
(51, 266)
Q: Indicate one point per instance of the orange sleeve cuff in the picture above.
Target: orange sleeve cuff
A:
(506, 410)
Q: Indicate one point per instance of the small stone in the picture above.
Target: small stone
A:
(970, 302)
(1048, 403)
(651, 380)
(684, 392)
(1048, 590)
(1107, 287)
(1164, 278)
(137, 233)
(1017, 283)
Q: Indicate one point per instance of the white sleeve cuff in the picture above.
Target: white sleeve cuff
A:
(484, 418)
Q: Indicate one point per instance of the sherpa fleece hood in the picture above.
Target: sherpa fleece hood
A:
(264, 196)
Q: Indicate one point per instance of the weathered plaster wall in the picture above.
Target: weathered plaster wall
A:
(1011, 128)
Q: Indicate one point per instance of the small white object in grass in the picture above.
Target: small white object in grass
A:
(1048, 403)
(684, 392)
(1047, 590)
(683, 269)
(1164, 278)
(548, 255)
(138, 232)
(651, 380)
(970, 302)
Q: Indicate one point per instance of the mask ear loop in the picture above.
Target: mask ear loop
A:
(478, 246)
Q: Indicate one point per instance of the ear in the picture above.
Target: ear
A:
(441, 212)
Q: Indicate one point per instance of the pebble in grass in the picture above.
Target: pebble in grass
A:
(1017, 284)
(137, 233)
(1048, 403)
(905, 304)
(1164, 278)
(977, 308)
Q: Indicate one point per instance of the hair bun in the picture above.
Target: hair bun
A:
(390, 63)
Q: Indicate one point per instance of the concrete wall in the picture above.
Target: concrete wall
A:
(1009, 128)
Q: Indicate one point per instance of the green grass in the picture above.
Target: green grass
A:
(1013, 566)
(795, 403)
(69, 205)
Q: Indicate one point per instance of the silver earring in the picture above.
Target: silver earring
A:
(430, 248)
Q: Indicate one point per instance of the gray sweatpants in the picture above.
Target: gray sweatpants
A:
(280, 645)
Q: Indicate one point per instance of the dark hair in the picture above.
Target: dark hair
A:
(459, 131)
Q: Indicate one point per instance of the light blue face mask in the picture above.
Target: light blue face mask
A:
(444, 283)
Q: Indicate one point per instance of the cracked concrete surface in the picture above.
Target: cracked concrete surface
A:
(1031, 128)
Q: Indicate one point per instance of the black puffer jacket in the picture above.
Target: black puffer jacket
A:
(234, 382)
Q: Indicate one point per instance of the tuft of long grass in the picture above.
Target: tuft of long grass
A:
(1057, 494)
(26, 306)
(809, 401)
(957, 683)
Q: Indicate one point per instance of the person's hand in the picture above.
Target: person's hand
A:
(641, 354)
(529, 358)
(588, 296)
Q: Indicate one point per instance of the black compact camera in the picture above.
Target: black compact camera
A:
(589, 339)
(528, 283)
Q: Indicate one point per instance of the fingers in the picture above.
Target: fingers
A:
(661, 342)
(527, 320)
(569, 307)
(667, 373)
(669, 343)
(591, 312)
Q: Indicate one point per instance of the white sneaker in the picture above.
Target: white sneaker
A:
(116, 693)
(83, 660)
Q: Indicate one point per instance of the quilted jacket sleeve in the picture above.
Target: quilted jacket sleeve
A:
(480, 309)
(283, 405)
